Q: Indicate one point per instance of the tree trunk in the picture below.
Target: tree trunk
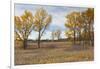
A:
(74, 37)
(85, 36)
(39, 40)
(92, 39)
(25, 43)
(79, 38)
(89, 39)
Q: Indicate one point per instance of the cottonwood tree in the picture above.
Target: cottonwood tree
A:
(24, 26)
(41, 22)
(88, 21)
(72, 23)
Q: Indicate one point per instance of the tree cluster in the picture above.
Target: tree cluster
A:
(80, 26)
(25, 23)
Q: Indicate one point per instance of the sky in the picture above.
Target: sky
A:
(58, 14)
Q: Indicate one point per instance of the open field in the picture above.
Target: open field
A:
(53, 52)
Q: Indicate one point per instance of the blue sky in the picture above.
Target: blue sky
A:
(58, 17)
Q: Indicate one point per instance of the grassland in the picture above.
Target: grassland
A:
(53, 52)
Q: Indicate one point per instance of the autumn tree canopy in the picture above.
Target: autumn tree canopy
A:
(81, 23)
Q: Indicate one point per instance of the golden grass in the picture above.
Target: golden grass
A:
(53, 55)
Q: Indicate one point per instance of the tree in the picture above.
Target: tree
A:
(72, 23)
(23, 26)
(88, 19)
(53, 35)
(41, 22)
(56, 34)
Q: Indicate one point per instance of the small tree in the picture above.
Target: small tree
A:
(58, 33)
(53, 35)
(41, 22)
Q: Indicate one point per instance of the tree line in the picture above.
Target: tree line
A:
(79, 24)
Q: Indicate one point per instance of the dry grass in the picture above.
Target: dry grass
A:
(57, 52)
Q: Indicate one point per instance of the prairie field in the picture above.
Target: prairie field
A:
(53, 52)
(53, 34)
